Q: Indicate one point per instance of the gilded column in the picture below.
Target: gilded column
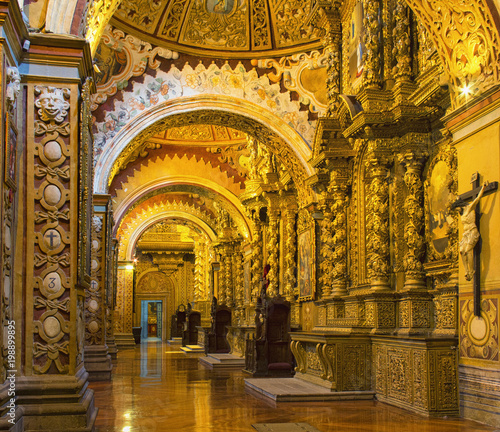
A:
(229, 276)
(273, 253)
(402, 41)
(257, 263)
(97, 359)
(338, 192)
(222, 274)
(377, 222)
(290, 233)
(331, 21)
(414, 208)
(327, 251)
(238, 277)
(199, 270)
(372, 57)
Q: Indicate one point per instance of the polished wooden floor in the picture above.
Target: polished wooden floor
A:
(157, 388)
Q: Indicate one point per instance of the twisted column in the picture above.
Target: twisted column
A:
(377, 223)
(372, 57)
(273, 253)
(414, 208)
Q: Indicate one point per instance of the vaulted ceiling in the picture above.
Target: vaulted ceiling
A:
(222, 28)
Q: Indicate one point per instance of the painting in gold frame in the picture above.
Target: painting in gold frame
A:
(306, 264)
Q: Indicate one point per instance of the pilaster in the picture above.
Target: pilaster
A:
(124, 305)
(53, 388)
(97, 359)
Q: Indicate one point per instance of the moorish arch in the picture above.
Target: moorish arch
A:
(273, 132)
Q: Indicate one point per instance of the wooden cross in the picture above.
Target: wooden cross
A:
(460, 202)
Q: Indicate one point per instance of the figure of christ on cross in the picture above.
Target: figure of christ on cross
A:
(470, 217)
(470, 235)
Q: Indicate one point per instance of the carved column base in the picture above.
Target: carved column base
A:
(112, 348)
(414, 284)
(415, 311)
(339, 289)
(57, 402)
(380, 285)
(125, 340)
(98, 363)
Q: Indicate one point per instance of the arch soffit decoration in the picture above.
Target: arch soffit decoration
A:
(228, 200)
(238, 114)
(130, 236)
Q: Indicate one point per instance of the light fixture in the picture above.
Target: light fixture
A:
(465, 90)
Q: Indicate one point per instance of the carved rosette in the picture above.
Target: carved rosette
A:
(401, 50)
(273, 252)
(290, 279)
(414, 236)
(377, 222)
(49, 171)
(372, 57)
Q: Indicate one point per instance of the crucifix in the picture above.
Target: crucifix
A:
(470, 244)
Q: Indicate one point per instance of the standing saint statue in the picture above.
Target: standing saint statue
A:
(471, 235)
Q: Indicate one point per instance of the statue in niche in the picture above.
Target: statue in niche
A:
(13, 86)
(470, 235)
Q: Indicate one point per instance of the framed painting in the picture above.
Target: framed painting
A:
(10, 161)
(307, 264)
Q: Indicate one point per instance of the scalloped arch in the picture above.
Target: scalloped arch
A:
(242, 115)
(144, 220)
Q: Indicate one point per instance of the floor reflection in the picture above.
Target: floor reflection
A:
(156, 388)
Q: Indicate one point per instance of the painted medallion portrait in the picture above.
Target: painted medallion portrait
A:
(220, 6)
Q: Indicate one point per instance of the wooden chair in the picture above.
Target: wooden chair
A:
(268, 353)
(177, 322)
(217, 336)
(190, 334)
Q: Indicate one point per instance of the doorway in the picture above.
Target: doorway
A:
(151, 319)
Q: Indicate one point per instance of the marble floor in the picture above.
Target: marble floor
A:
(156, 388)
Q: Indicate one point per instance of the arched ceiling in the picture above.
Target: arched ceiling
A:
(221, 28)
